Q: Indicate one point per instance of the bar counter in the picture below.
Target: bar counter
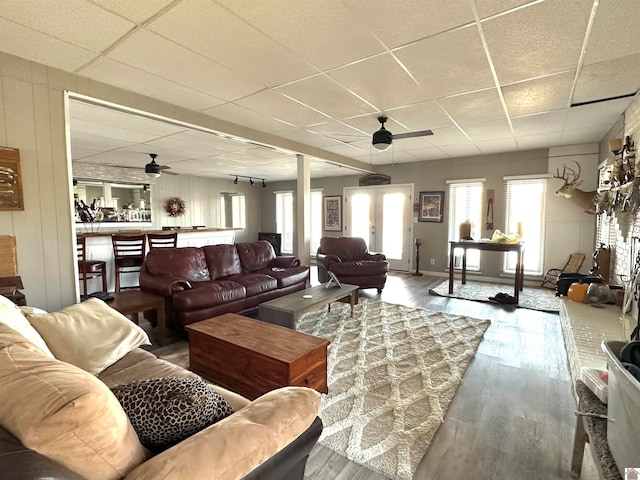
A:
(99, 247)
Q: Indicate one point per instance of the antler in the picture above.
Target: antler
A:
(565, 175)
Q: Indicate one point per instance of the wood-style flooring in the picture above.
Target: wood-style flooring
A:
(512, 416)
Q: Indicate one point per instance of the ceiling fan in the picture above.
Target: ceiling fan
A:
(383, 138)
(152, 169)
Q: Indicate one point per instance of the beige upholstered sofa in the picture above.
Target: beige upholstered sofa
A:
(56, 406)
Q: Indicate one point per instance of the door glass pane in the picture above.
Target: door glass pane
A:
(393, 220)
(360, 211)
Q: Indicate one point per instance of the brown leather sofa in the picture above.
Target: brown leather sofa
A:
(349, 259)
(203, 282)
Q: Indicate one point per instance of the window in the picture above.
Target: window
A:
(525, 212)
(465, 203)
(316, 220)
(238, 219)
(284, 220)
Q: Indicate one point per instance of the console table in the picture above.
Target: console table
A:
(488, 246)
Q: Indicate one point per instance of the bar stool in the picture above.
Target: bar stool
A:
(128, 255)
(162, 240)
(88, 269)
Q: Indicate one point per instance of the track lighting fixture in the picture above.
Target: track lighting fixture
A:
(252, 180)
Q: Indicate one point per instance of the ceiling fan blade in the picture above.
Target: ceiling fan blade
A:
(163, 167)
(421, 133)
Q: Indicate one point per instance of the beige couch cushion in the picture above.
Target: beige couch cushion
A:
(236, 445)
(11, 315)
(140, 364)
(90, 335)
(64, 412)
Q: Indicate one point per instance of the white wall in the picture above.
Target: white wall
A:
(569, 228)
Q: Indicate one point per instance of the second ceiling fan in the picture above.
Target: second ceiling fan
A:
(383, 138)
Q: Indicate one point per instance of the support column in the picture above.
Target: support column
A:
(303, 210)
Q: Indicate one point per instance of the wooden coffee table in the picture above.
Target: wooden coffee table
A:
(286, 310)
(252, 357)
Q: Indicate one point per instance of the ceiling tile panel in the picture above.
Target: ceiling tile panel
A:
(399, 22)
(611, 36)
(78, 22)
(487, 8)
(497, 146)
(608, 79)
(597, 114)
(111, 131)
(495, 130)
(421, 116)
(273, 104)
(130, 78)
(461, 150)
(448, 136)
(137, 12)
(538, 40)
(32, 45)
(316, 31)
(154, 54)
(533, 142)
(243, 116)
(539, 95)
(430, 153)
(325, 95)
(448, 63)
(474, 107)
(232, 42)
(543, 123)
(392, 87)
(582, 135)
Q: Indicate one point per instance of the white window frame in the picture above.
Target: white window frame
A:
(316, 220)
(238, 211)
(284, 220)
(525, 213)
(470, 208)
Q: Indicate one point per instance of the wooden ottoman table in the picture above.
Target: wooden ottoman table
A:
(252, 357)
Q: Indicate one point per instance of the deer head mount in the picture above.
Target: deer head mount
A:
(586, 200)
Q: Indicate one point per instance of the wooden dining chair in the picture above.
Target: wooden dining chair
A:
(88, 269)
(162, 240)
(128, 255)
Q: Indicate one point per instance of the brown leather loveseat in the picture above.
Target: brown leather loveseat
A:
(203, 282)
(349, 259)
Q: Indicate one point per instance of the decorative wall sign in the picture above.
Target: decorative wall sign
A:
(10, 180)
(374, 179)
(431, 207)
(332, 213)
(176, 206)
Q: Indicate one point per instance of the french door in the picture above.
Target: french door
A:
(382, 216)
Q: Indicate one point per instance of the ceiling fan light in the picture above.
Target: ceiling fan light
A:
(382, 139)
(152, 169)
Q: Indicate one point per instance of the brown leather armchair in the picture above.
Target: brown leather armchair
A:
(349, 259)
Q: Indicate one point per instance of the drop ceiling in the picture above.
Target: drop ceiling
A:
(486, 76)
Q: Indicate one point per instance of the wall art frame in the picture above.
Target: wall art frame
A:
(11, 196)
(431, 207)
(332, 213)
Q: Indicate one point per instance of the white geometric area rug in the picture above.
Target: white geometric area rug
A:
(392, 372)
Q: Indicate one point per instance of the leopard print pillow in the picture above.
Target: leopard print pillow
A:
(165, 411)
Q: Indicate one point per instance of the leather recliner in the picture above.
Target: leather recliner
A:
(350, 260)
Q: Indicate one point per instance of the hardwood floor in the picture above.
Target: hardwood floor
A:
(511, 418)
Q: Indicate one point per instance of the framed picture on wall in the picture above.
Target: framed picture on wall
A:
(332, 213)
(10, 180)
(431, 207)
